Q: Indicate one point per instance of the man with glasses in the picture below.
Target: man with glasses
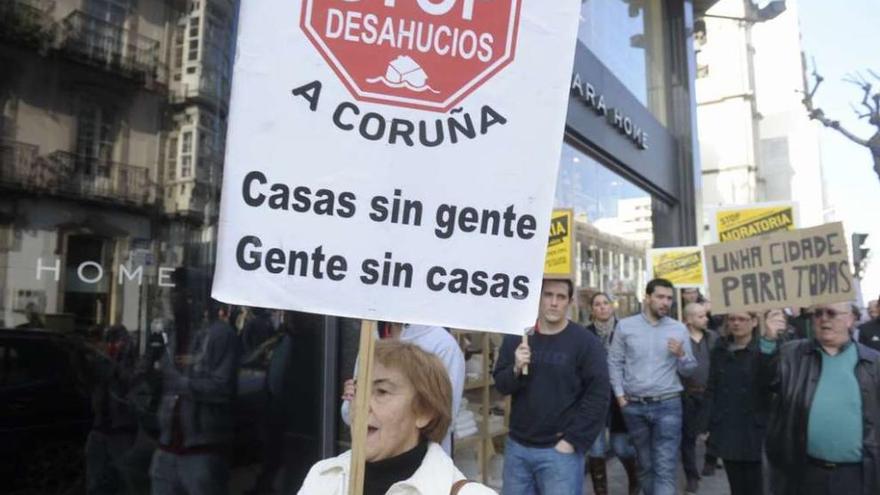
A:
(824, 434)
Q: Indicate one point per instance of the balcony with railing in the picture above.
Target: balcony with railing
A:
(109, 46)
(74, 176)
(16, 157)
(27, 22)
(211, 89)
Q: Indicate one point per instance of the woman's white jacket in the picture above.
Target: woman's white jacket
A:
(435, 476)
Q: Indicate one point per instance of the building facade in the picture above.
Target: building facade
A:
(757, 143)
(112, 123)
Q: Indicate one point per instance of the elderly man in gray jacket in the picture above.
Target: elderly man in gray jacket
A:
(649, 352)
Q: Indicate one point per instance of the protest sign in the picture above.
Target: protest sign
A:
(798, 268)
(394, 160)
(683, 266)
(559, 262)
(734, 223)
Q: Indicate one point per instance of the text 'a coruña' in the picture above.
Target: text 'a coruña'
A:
(456, 127)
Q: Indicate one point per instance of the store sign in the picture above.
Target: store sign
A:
(428, 54)
(615, 117)
(598, 109)
(349, 195)
(788, 268)
(559, 262)
(683, 266)
(743, 222)
(93, 273)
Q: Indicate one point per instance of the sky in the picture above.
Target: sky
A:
(843, 37)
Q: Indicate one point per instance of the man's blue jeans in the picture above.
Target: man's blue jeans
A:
(544, 471)
(655, 431)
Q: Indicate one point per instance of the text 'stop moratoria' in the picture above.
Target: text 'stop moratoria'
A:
(423, 54)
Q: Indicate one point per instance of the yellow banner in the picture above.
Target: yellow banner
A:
(682, 266)
(559, 261)
(739, 224)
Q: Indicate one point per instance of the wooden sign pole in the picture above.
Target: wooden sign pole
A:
(680, 304)
(361, 410)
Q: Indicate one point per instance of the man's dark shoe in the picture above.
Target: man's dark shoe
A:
(708, 470)
(692, 486)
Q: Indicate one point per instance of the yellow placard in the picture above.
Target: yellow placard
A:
(559, 262)
(682, 266)
(747, 222)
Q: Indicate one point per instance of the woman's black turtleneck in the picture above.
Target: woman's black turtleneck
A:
(380, 475)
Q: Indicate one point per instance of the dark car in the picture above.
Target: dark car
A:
(46, 411)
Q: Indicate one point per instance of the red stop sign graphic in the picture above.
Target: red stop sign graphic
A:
(424, 54)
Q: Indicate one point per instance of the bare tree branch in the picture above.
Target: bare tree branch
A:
(870, 101)
(859, 114)
(861, 82)
(819, 114)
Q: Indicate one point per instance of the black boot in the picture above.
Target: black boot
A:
(598, 475)
(632, 474)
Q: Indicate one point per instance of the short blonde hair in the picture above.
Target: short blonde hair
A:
(430, 380)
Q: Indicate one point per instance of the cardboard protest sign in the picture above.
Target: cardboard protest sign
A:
(798, 268)
(683, 266)
(395, 159)
(559, 262)
(743, 222)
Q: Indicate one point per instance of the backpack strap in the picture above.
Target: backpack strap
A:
(458, 485)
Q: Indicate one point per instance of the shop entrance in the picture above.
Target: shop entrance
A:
(87, 281)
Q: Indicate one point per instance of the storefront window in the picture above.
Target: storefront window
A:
(613, 229)
(109, 184)
(629, 38)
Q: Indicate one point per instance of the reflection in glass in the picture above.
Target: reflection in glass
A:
(613, 226)
(628, 36)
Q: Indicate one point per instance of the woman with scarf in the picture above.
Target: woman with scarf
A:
(603, 323)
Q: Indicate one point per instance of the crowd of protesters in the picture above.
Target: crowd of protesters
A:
(787, 401)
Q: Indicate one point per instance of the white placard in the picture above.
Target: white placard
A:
(338, 197)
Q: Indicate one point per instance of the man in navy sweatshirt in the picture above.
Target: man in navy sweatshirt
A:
(559, 405)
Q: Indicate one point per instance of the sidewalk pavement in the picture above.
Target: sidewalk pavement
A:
(617, 483)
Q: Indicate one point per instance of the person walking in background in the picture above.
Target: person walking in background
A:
(874, 309)
(196, 413)
(823, 436)
(737, 406)
(702, 342)
(649, 352)
(281, 399)
(258, 328)
(558, 408)
(115, 423)
(603, 324)
(869, 333)
(687, 295)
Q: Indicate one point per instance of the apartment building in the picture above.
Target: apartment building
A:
(112, 117)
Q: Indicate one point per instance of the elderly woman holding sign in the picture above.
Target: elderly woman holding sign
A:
(409, 414)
